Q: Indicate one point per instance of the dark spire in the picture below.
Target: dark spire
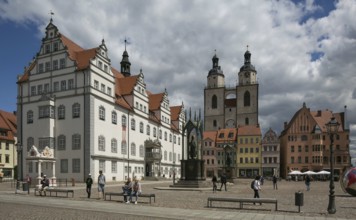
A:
(247, 65)
(125, 63)
(216, 68)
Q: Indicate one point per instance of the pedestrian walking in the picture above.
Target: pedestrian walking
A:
(89, 183)
(274, 180)
(101, 184)
(214, 180)
(256, 187)
(307, 182)
(223, 181)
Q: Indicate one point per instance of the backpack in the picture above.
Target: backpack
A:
(253, 184)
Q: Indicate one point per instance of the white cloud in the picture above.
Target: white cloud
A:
(174, 41)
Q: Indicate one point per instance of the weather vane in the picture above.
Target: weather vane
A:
(127, 42)
(51, 13)
(247, 46)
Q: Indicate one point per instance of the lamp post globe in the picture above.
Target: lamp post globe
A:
(332, 128)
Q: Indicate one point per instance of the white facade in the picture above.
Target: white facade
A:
(95, 118)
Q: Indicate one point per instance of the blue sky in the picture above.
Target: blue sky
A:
(304, 51)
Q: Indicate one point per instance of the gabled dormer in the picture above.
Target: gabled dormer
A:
(51, 31)
(103, 50)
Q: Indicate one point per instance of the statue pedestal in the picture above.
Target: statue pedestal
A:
(230, 174)
(192, 174)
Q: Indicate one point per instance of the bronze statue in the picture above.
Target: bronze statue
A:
(192, 146)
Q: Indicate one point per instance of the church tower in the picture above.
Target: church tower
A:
(247, 93)
(214, 97)
(230, 107)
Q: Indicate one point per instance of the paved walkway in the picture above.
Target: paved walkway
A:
(173, 204)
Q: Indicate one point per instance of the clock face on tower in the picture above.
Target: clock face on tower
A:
(247, 74)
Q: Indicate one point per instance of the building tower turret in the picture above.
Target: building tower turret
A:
(125, 63)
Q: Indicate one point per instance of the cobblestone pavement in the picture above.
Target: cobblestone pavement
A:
(315, 201)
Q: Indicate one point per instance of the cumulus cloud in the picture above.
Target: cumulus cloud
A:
(299, 58)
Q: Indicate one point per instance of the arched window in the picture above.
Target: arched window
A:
(148, 130)
(154, 132)
(123, 120)
(142, 151)
(75, 141)
(30, 117)
(113, 145)
(214, 123)
(102, 113)
(113, 117)
(247, 98)
(30, 143)
(247, 121)
(141, 127)
(76, 110)
(133, 124)
(61, 112)
(133, 149)
(101, 143)
(123, 147)
(61, 142)
(214, 102)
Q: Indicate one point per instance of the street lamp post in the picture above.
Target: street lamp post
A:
(332, 127)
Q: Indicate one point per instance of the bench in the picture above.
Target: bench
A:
(150, 196)
(54, 190)
(242, 200)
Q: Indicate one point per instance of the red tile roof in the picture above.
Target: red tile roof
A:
(175, 112)
(223, 134)
(127, 84)
(209, 135)
(8, 124)
(249, 130)
(155, 101)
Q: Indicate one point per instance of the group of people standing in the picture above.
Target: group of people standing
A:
(129, 189)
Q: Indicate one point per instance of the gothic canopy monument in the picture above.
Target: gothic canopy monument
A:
(192, 165)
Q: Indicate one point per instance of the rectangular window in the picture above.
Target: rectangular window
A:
(46, 88)
(64, 165)
(71, 84)
(48, 66)
(55, 46)
(62, 63)
(39, 89)
(33, 90)
(109, 91)
(102, 87)
(7, 158)
(63, 85)
(76, 142)
(55, 64)
(102, 165)
(100, 65)
(105, 68)
(76, 165)
(40, 68)
(56, 86)
(113, 167)
(46, 112)
(47, 48)
(96, 84)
